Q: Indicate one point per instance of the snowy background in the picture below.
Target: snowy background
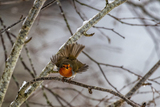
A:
(138, 52)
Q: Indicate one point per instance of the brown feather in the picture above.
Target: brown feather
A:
(68, 55)
(78, 66)
(55, 58)
(83, 68)
(72, 50)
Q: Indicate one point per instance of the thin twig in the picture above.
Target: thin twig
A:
(120, 19)
(4, 47)
(47, 100)
(58, 97)
(26, 67)
(77, 10)
(109, 29)
(137, 86)
(22, 19)
(64, 17)
(79, 92)
(2, 40)
(22, 92)
(30, 60)
(142, 7)
(12, 2)
(107, 78)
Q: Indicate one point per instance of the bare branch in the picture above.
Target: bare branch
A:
(137, 86)
(17, 47)
(49, 68)
(22, 93)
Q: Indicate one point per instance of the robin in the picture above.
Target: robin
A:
(66, 60)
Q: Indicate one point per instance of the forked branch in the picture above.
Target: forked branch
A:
(80, 31)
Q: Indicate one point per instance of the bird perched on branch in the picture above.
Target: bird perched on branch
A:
(66, 60)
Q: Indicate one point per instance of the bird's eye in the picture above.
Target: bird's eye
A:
(63, 66)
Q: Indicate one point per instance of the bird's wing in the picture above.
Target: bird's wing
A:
(76, 49)
(55, 58)
(83, 68)
(78, 67)
(72, 50)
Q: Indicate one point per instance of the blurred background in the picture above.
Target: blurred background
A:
(126, 45)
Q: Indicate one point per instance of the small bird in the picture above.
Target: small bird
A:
(66, 60)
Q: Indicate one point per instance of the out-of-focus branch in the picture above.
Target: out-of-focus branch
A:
(89, 87)
(12, 2)
(119, 19)
(80, 31)
(47, 100)
(137, 86)
(58, 98)
(142, 7)
(64, 17)
(17, 47)
(89, 23)
(23, 18)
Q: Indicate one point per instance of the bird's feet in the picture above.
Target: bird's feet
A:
(63, 79)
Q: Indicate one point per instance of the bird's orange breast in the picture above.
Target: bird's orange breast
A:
(66, 72)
